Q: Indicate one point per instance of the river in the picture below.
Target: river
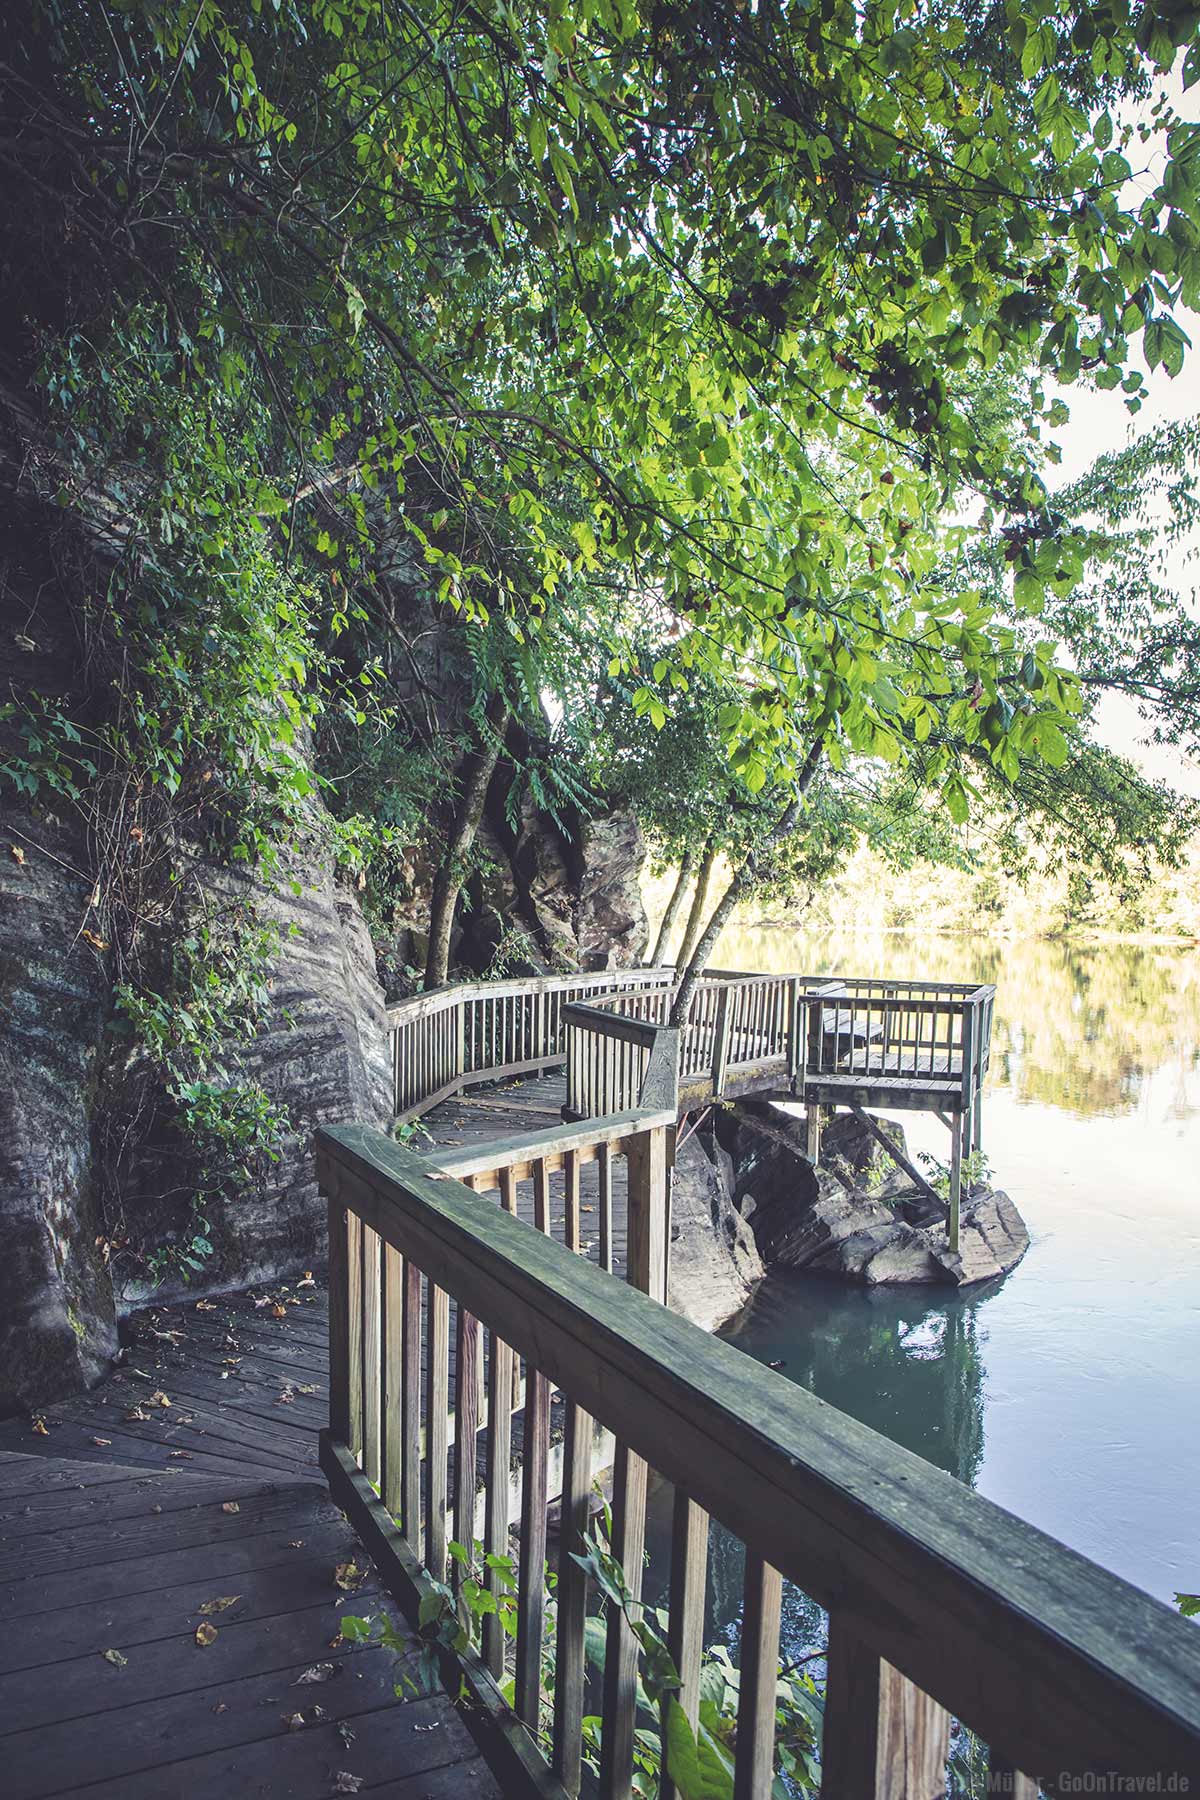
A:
(1067, 1392)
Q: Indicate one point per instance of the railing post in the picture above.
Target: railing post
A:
(812, 1066)
(648, 1165)
(795, 1033)
(721, 1040)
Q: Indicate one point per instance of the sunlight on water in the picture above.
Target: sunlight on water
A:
(1067, 1392)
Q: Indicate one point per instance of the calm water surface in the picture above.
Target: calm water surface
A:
(1070, 1391)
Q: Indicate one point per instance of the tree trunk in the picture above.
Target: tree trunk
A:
(741, 884)
(673, 905)
(695, 919)
(447, 884)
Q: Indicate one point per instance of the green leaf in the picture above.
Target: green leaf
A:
(696, 1762)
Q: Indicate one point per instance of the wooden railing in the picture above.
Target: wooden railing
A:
(620, 1054)
(453, 1037)
(939, 1602)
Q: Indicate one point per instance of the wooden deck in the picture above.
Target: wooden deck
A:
(120, 1518)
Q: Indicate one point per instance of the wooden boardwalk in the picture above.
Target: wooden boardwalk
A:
(122, 1517)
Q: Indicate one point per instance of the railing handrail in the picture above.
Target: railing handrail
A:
(1059, 1665)
(610, 1024)
(413, 1005)
(538, 1146)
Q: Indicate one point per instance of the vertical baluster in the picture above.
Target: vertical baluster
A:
(541, 1196)
(410, 1408)
(572, 1600)
(646, 1212)
(339, 1319)
(437, 1402)
(354, 1322)
(571, 1231)
(503, 1374)
(392, 1339)
(531, 1580)
(754, 1769)
(604, 1188)
(621, 1647)
(685, 1626)
(466, 1428)
(883, 1738)
(372, 1385)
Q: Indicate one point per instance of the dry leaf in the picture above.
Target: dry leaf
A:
(102, 1443)
(115, 1658)
(318, 1672)
(181, 1455)
(279, 1312)
(205, 1634)
(306, 1280)
(206, 1306)
(158, 1398)
(220, 1605)
(347, 1784)
(220, 1707)
(230, 1506)
(286, 1398)
(308, 1387)
(296, 1544)
(293, 1721)
(156, 1507)
(18, 855)
(97, 943)
(136, 1412)
(24, 642)
(348, 1575)
(39, 1426)
(136, 833)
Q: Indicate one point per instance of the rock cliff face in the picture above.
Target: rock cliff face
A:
(715, 1262)
(855, 1215)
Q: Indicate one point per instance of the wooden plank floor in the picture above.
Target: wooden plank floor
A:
(188, 1476)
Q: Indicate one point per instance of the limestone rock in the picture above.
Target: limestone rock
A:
(715, 1261)
(853, 1216)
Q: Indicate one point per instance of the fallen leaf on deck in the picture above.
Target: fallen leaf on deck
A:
(221, 1604)
(306, 1280)
(286, 1398)
(206, 1306)
(102, 1443)
(777, 1364)
(345, 1733)
(230, 1506)
(293, 1721)
(220, 1707)
(182, 1455)
(115, 1658)
(136, 1412)
(308, 1387)
(26, 643)
(205, 1634)
(279, 1312)
(348, 1574)
(97, 943)
(263, 1300)
(347, 1784)
(318, 1672)
(156, 1508)
(39, 1426)
(295, 1543)
(18, 855)
(158, 1398)
(315, 1715)
(432, 1727)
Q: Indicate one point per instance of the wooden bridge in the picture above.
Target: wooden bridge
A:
(485, 1353)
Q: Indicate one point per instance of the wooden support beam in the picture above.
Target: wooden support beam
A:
(901, 1161)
